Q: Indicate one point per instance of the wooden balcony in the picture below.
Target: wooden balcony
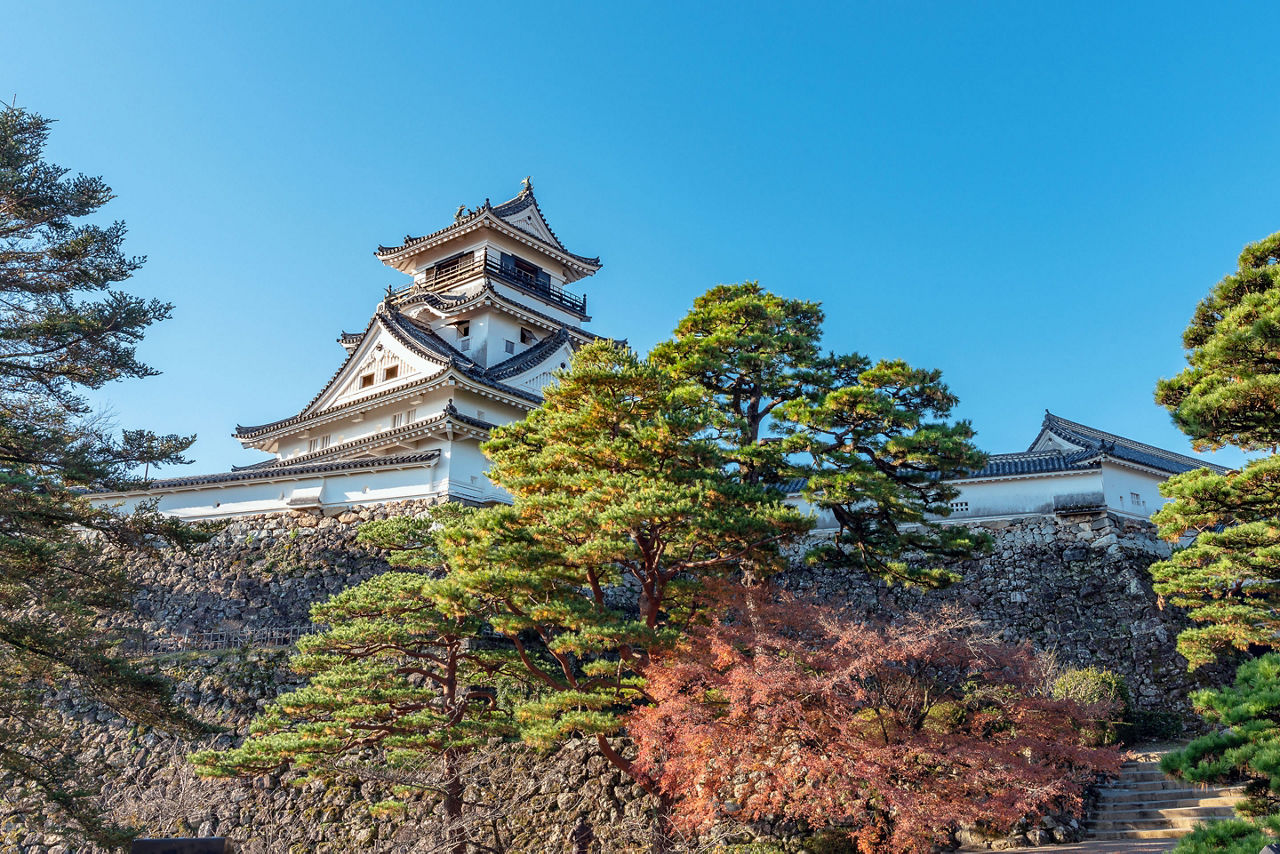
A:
(445, 276)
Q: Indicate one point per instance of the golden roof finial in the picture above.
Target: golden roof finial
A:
(526, 186)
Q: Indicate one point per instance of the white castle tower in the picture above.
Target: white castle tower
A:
(470, 343)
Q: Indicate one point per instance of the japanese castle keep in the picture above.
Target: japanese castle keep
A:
(472, 341)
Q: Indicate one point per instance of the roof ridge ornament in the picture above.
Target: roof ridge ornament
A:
(526, 186)
(460, 213)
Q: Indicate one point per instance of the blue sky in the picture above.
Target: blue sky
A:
(1030, 198)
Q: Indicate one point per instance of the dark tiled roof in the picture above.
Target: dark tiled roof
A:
(522, 362)
(1121, 448)
(1037, 462)
(507, 209)
(271, 469)
(486, 292)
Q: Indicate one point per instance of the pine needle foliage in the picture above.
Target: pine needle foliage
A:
(622, 503)
(1245, 744)
(394, 683)
(872, 441)
(1227, 577)
(65, 328)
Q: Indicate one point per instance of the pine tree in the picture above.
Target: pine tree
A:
(616, 487)
(64, 329)
(1228, 395)
(871, 441)
(393, 683)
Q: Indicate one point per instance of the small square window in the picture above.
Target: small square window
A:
(411, 416)
(464, 329)
(511, 346)
(391, 372)
(397, 420)
(527, 337)
(366, 380)
(1135, 498)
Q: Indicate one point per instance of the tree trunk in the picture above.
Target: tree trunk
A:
(664, 837)
(455, 830)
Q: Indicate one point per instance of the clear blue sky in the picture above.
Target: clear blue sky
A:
(1030, 198)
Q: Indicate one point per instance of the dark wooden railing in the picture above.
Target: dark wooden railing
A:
(439, 278)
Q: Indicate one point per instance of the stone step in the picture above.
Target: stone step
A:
(1171, 803)
(1144, 803)
(1107, 835)
(1182, 825)
(1109, 798)
(1152, 786)
(1188, 811)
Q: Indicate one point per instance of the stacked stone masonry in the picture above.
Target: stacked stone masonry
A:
(1077, 586)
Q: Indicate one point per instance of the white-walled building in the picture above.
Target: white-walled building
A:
(468, 344)
(1071, 468)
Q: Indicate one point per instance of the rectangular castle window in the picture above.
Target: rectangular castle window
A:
(397, 420)
(510, 346)
(366, 380)
(411, 416)
(391, 373)
(527, 337)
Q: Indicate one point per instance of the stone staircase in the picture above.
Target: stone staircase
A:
(1145, 804)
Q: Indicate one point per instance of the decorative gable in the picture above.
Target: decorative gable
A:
(377, 364)
(530, 221)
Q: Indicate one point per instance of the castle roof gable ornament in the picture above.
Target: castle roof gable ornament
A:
(526, 186)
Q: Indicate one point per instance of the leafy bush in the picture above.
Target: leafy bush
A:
(1106, 693)
(1230, 837)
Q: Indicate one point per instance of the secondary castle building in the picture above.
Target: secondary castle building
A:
(1071, 469)
(470, 342)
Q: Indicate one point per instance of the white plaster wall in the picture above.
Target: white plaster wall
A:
(1021, 496)
(1119, 484)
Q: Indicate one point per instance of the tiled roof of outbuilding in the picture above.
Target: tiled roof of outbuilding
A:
(1118, 446)
(1036, 462)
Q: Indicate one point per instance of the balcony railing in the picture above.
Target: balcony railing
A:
(439, 278)
(530, 284)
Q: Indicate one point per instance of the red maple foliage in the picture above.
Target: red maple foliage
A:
(896, 733)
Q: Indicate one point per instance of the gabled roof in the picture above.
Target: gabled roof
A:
(421, 340)
(1085, 449)
(1099, 441)
(507, 214)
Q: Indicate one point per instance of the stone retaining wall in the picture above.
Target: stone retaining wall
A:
(1077, 586)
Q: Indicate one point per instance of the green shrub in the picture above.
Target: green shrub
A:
(1230, 837)
(1090, 686)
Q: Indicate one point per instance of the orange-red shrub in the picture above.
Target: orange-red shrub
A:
(899, 732)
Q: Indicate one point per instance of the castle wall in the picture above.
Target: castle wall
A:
(1077, 586)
